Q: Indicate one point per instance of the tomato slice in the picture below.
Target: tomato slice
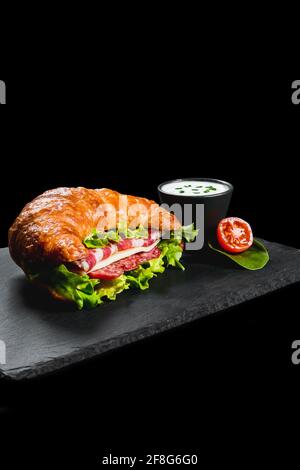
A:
(234, 235)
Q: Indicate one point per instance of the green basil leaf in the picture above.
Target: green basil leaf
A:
(256, 257)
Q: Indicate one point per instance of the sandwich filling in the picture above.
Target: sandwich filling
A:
(100, 257)
(117, 260)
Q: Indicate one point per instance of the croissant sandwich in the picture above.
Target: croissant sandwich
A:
(87, 245)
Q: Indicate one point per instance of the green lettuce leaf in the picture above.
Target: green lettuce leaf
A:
(102, 239)
(140, 277)
(110, 289)
(82, 290)
(127, 232)
(157, 264)
(172, 252)
(187, 233)
(99, 240)
(72, 286)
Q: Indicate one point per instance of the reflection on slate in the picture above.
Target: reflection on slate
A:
(42, 335)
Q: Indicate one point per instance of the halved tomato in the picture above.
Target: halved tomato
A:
(234, 235)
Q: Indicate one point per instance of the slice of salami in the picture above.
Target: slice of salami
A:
(116, 269)
(108, 273)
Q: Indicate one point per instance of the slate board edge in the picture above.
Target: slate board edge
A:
(191, 314)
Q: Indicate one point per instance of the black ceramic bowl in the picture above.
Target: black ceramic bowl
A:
(215, 205)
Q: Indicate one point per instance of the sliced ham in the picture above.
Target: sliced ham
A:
(94, 257)
(98, 255)
(118, 268)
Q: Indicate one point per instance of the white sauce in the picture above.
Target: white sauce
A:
(194, 188)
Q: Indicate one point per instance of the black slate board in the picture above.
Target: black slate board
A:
(42, 335)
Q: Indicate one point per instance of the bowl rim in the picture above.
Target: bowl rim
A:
(230, 187)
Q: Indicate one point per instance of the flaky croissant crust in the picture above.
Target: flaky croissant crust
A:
(51, 228)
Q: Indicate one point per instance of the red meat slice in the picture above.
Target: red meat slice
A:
(100, 254)
(116, 269)
(108, 273)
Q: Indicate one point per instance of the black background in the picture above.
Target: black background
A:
(222, 385)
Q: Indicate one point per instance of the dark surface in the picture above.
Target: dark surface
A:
(42, 336)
